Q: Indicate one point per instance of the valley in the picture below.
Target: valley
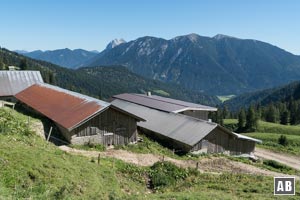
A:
(104, 82)
(149, 100)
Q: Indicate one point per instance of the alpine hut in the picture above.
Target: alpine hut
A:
(80, 118)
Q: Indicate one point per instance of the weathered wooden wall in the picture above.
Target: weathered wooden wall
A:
(8, 98)
(219, 141)
(110, 127)
(197, 114)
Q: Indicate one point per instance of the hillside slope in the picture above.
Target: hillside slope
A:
(31, 168)
(104, 82)
(265, 97)
(62, 57)
(219, 65)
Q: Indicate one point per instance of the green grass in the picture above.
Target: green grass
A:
(230, 121)
(267, 164)
(89, 147)
(34, 169)
(268, 127)
(149, 146)
(270, 141)
(225, 97)
(162, 92)
(269, 134)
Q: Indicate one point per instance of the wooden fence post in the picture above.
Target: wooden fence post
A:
(99, 159)
(28, 122)
(49, 134)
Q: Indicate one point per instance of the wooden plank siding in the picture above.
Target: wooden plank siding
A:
(217, 141)
(220, 142)
(200, 114)
(111, 127)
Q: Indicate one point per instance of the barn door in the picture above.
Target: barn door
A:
(204, 146)
(121, 133)
(108, 139)
(212, 146)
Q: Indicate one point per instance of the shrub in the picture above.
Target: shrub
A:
(282, 140)
(12, 124)
(166, 173)
(98, 147)
(276, 165)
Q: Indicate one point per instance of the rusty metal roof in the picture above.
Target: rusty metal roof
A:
(66, 108)
(12, 82)
(162, 103)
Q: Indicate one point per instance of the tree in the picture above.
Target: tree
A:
(51, 78)
(225, 112)
(272, 114)
(23, 64)
(282, 140)
(251, 120)
(2, 66)
(293, 112)
(217, 117)
(284, 117)
(241, 119)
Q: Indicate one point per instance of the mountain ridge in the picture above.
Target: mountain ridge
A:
(103, 82)
(282, 93)
(63, 57)
(216, 65)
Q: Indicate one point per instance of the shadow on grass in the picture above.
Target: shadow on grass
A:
(56, 136)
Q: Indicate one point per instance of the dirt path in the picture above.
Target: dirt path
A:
(214, 164)
(291, 161)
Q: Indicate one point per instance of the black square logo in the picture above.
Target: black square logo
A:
(284, 185)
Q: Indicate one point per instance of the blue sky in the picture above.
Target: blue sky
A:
(91, 24)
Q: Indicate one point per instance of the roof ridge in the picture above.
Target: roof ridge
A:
(144, 96)
(76, 94)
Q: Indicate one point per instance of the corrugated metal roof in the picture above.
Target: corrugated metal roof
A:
(67, 108)
(12, 82)
(182, 128)
(162, 103)
(244, 137)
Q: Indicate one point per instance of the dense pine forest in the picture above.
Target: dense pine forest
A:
(282, 112)
(102, 82)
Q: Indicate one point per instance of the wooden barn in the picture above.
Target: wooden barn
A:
(168, 105)
(186, 133)
(12, 82)
(80, 118)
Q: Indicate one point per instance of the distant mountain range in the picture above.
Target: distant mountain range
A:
(104, 82)
(62, 57)
(264, 97)
(218, 65)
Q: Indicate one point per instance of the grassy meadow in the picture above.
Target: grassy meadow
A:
(32, 168)
(269, 133)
